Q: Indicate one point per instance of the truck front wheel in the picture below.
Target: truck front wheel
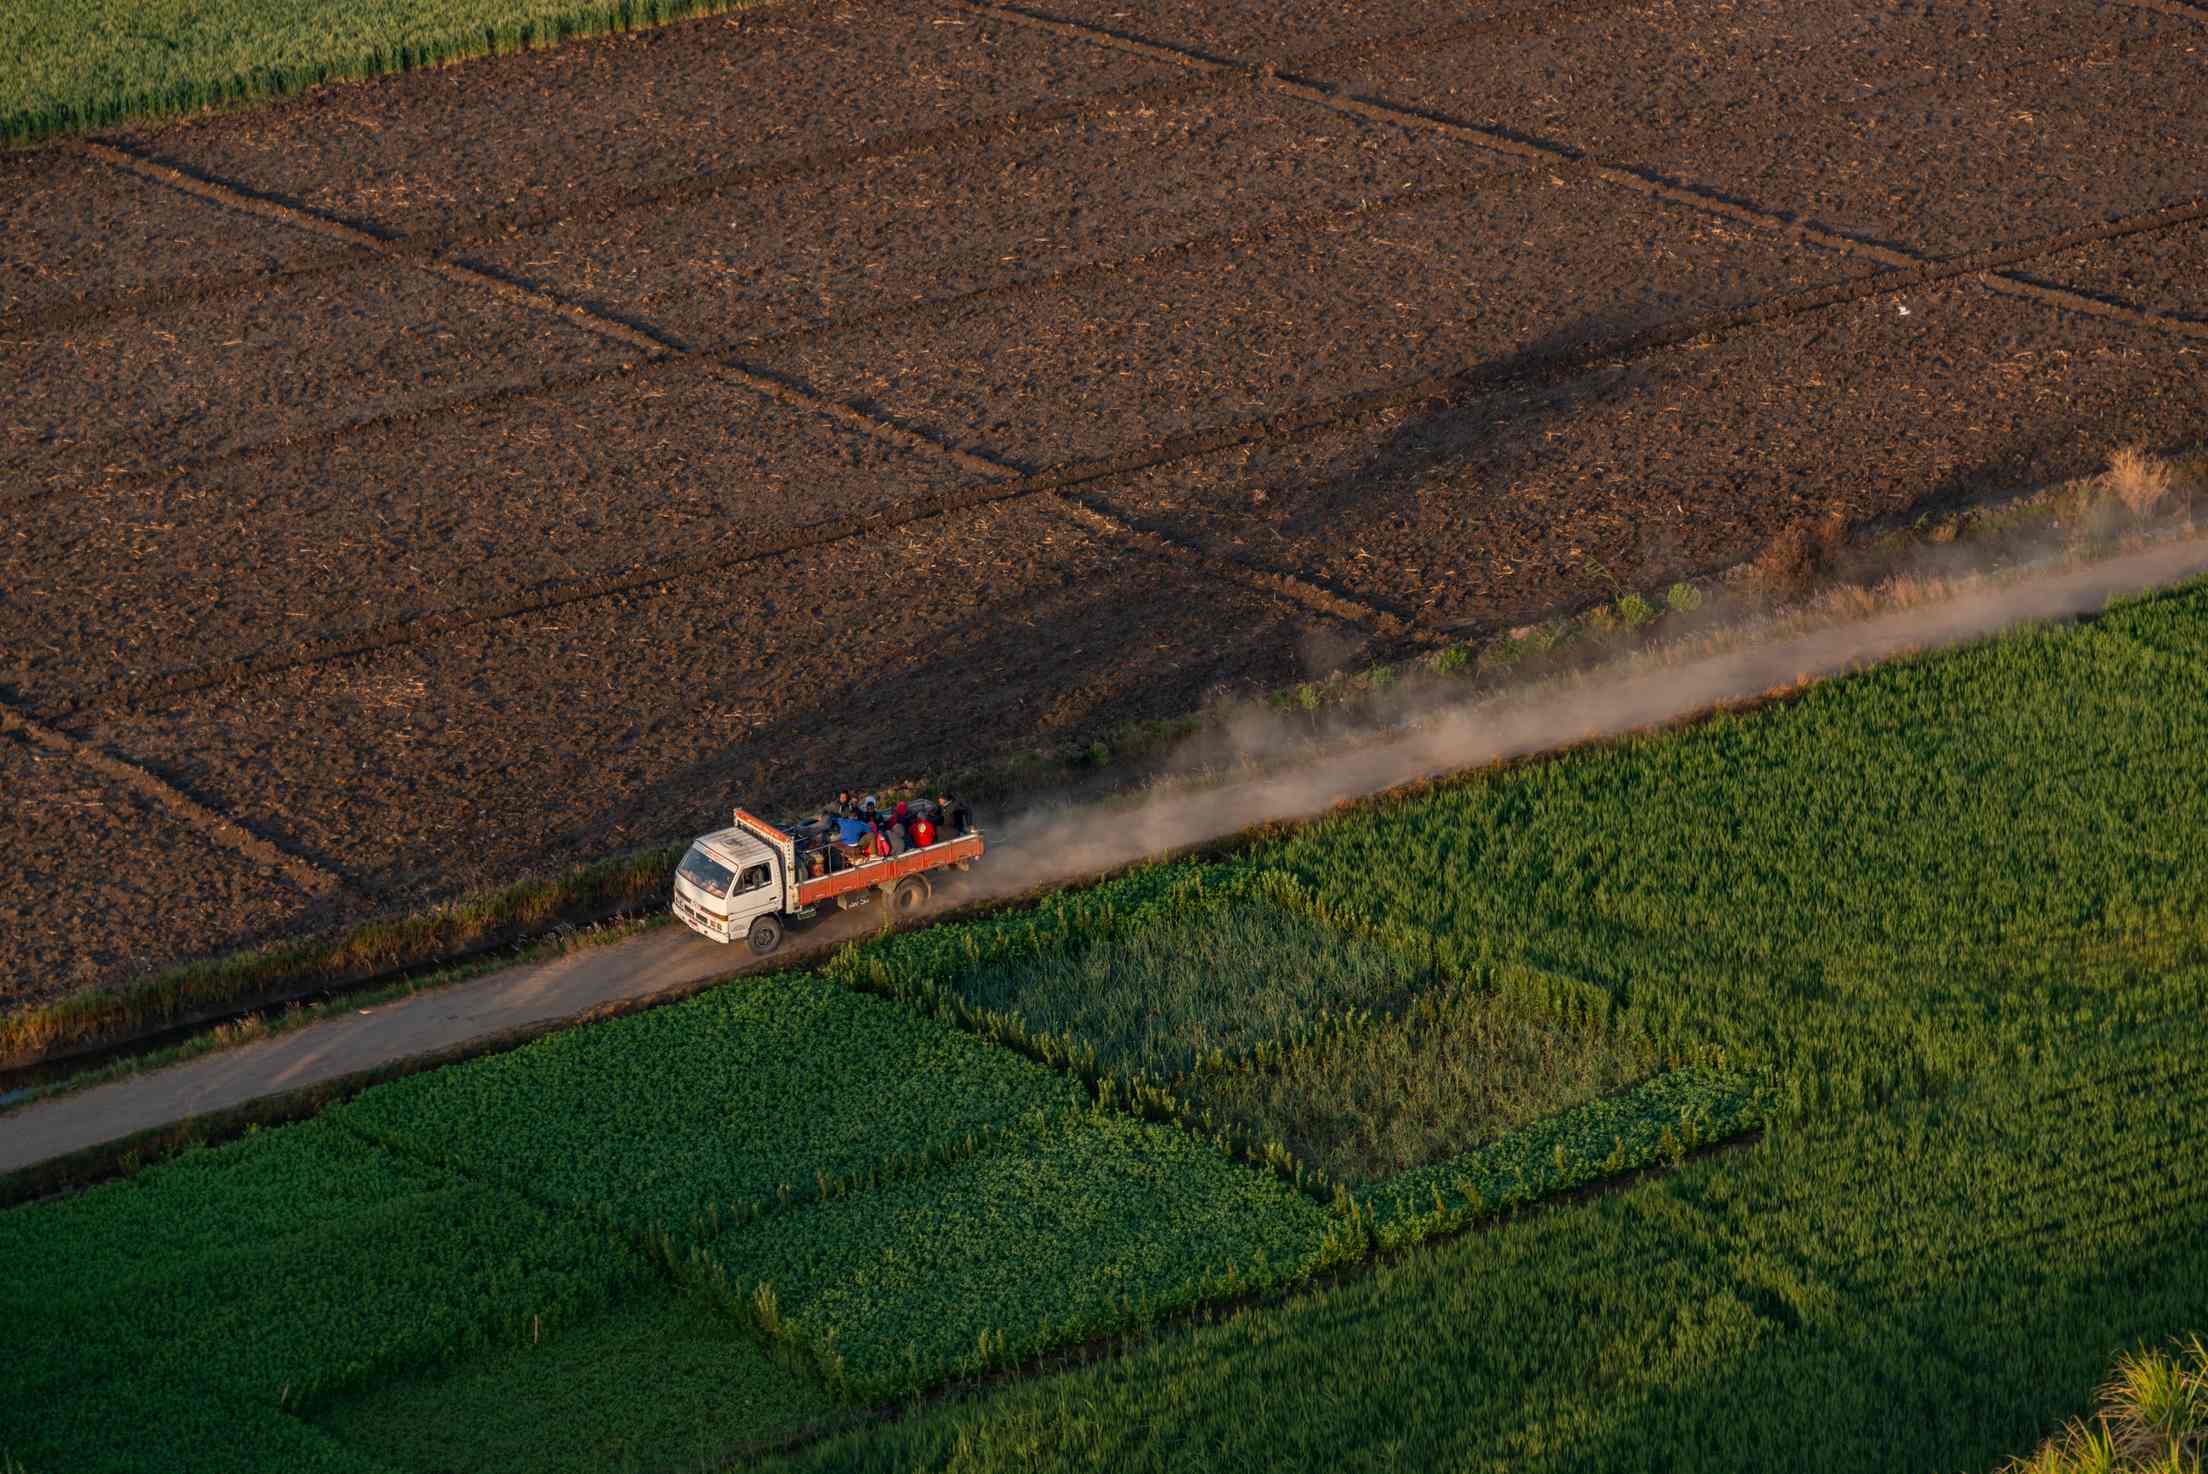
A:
(766, 935)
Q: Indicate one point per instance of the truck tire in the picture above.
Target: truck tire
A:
(911, 894)
(766, 935)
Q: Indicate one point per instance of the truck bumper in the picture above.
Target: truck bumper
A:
(699, 922)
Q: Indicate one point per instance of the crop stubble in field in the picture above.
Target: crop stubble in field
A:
(432, 150)
(456, 514)
(1939, 129)
(132, 397)
(1308, 317)
(1103, 187)
(75, 232)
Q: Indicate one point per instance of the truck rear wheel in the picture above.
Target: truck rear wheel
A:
(911, 894)
(766, 935)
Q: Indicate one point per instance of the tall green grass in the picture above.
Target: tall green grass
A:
(70, 65)
(1374, 1096)
(1200, 986)
(1929, 1286)
(1094, 1223)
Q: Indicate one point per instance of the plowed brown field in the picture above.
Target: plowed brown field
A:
(439, 479)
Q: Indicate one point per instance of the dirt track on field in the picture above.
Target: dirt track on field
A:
(1054, 846)
(439, 479)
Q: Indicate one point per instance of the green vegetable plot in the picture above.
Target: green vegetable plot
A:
(1373, 1096)
(706, 1112)
(664, 1382)
(1094, 1224)
(1199, 986)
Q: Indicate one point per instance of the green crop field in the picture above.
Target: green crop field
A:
(1094, 1224)
(716, 1109)
(1821, 1087)
(67, 65)
(653, 1384)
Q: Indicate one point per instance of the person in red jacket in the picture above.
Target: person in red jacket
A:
(922, 832)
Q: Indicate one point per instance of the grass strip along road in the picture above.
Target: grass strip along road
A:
(1938, 928)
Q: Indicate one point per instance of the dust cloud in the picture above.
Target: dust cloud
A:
(1278, 766)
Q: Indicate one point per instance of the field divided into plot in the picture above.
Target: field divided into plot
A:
(1945, 913)
(402, 418)
(1935, 928)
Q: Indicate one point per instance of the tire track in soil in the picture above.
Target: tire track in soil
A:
(678, 366)
(228, 833)
(1639, 180)
(1534, 370)
(62, 317)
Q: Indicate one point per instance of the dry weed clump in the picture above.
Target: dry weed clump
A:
(1799, 554)
(2140, 480)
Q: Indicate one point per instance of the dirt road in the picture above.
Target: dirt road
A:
(670, 960)
(1069, 844)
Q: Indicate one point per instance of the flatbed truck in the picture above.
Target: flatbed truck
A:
(749, 881)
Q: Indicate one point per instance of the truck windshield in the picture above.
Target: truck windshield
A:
(705, 872)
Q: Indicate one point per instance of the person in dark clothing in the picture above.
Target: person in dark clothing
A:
(958, 820)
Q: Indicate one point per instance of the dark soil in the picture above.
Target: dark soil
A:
(73, 234)
(1354, 303)
(96, 885)
(517, 135)
(142, 394)
(432, 588)
(2165, 273)
(1501, 507)
(468, 512)
(981, 216)
(613, 724)
(1938, 127)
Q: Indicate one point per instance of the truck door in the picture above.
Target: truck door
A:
(754, 894)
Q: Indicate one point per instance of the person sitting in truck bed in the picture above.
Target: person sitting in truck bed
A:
(921, 829)
(958, 820)
(854, 842)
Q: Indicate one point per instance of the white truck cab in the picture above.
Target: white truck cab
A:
(751, 880)
(726, 881)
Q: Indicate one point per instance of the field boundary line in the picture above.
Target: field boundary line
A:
(229, 833)
(652, 343)
(1484, 376)
(1286, 586)
(491, 226)
(1635, 178)
(1257, 235)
